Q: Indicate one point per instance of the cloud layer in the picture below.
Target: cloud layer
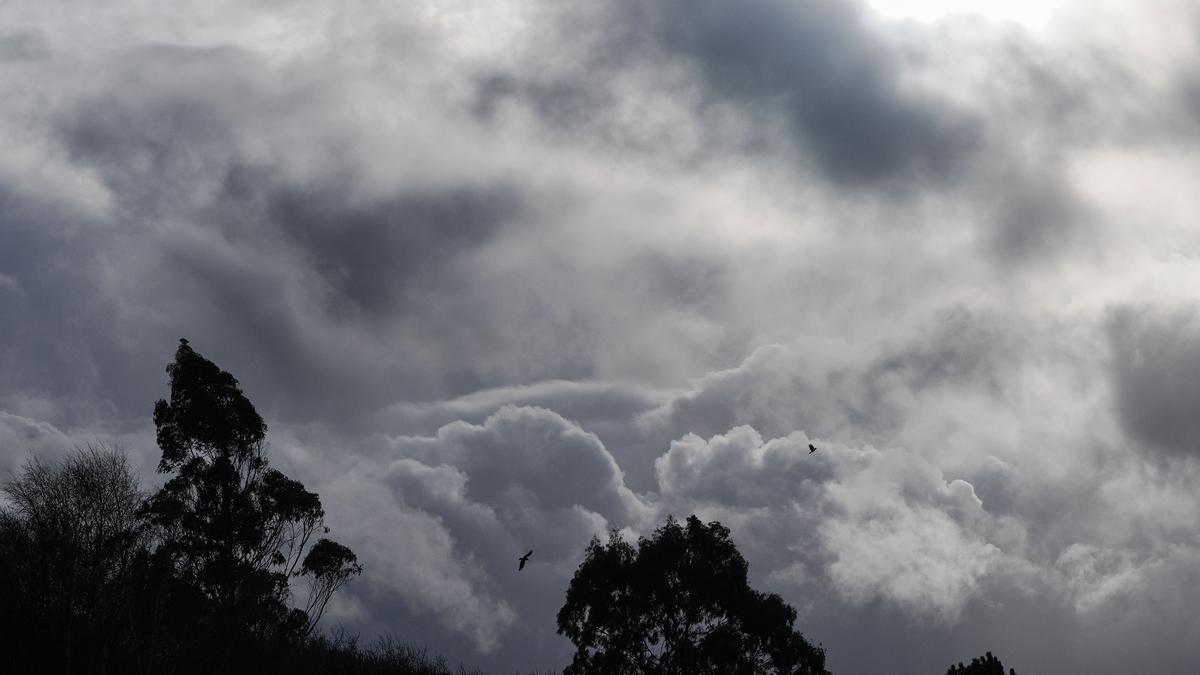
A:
(505, 275)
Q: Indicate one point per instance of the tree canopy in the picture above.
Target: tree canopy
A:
(678, 603)
(69, 539)
(234, 530)
(980, 665)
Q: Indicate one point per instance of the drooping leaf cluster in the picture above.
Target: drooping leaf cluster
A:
(679, 603)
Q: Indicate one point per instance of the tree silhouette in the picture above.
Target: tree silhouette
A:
(981, 665)
(233, 530)
(679, 603)
(67, 545)
(99, 580)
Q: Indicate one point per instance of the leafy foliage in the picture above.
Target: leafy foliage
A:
(234, 530)
(981, 665)
(679, 603)
(197, 578)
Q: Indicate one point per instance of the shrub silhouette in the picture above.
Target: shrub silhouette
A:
(679, 603)
(67, 548)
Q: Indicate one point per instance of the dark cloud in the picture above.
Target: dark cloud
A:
(159, 145)
(1036, 213)
(815, 66)
(381, 257)
(818, 64)
(818, 82)
(211, 238)
(1156, 376)
(505, 276)
(22, 45)
(1189, 95)
(959, 347)
(565, 103)
(691, 281)
(50, 263)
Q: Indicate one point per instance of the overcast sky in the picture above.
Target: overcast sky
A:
(504, 274)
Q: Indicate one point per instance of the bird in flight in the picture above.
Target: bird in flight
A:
(811, 448)
(524, 559)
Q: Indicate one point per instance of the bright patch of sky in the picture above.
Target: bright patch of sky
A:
(1031, 13)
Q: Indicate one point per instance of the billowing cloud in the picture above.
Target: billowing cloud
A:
(876, 524)
(443, 518)
(506, 275)
(532, 455)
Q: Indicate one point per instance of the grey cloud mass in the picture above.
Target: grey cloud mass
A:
(507, 275)
(817, 63)
(1156, 376)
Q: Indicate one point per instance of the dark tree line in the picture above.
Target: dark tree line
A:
(980, 665)
(71, 550)
(198, 576)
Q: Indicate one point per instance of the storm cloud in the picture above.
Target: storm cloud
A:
(508, 275)
(1156, 374)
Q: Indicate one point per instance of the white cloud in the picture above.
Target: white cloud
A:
(887, 524)
(22, 437)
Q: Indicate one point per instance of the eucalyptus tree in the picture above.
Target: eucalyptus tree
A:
(234, 532)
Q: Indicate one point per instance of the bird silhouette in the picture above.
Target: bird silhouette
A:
(811, 448)
(524, 559)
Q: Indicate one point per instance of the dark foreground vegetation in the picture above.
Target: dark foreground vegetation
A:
(679, 603)
(981, 665)
(227, 569)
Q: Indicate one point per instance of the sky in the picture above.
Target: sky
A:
(507, 274)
